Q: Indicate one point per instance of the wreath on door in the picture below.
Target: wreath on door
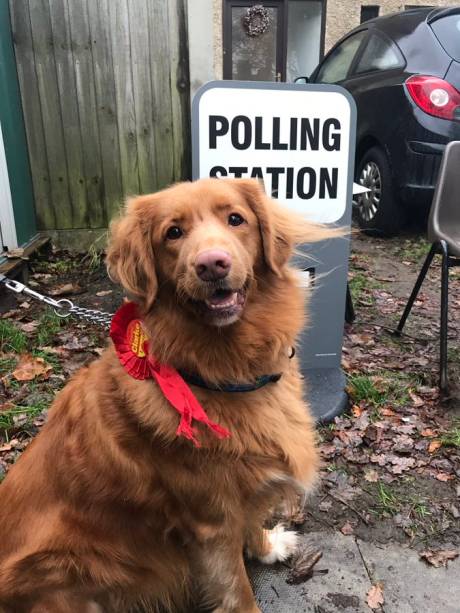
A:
(257, 20)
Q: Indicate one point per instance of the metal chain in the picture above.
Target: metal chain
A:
(62, 308)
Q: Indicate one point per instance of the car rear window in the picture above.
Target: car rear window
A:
(447, 30)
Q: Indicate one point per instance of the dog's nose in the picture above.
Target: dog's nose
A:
(213, 264)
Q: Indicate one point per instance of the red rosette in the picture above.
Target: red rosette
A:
(129, 340)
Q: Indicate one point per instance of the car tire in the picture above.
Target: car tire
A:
(378, 211)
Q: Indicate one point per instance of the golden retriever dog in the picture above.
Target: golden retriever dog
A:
(109, 509)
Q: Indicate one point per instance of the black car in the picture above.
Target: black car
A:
(403, 71)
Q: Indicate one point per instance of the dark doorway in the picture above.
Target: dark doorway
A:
(289, 42)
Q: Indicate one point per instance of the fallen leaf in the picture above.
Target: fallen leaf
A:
(434, 446)
(347, 529)
(371, 475)
(375, 596)
(29, 368)
(65, 289)
(104, 293)
(428, 432)
(356, 410)
(302, 565)
(30, 326)
(417, 401)
(438, 558)
(444, 477)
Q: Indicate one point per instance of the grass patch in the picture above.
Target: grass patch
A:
(51, 358)
(49, 325)
(7, 364)
(361, 285)
(385, 387)
(362, 388)
(11, 338)
(388, 501)
(414, 250)
(19, 416)
(452, 437)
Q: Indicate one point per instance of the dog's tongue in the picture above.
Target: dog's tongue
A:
(222, 299)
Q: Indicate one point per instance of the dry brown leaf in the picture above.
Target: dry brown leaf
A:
(434, 446)
(438, 558)
(347, 529)
(418, 402)
(375, 596)
(356, 410)
(30, 368)
(371, 475)
(105, 292)
(428, 432)
(30, 326)
(65, 290)
(302, 565)
(443, 477)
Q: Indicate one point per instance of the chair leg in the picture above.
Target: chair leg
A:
(349, 308)
(443, 381)
(415, 291)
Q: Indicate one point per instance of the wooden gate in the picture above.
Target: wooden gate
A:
(104, 87)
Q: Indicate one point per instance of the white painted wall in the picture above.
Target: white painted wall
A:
(8, 236)
(201, 43)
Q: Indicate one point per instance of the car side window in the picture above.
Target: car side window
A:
(336, 66)
(379, 54)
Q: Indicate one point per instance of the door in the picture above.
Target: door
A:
(254, 41)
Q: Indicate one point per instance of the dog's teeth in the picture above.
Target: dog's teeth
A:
(223, 305)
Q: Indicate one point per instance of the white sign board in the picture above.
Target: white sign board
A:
(297, 140)
(300, 141)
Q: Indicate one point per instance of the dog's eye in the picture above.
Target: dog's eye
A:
(235, 219)
(173, 233)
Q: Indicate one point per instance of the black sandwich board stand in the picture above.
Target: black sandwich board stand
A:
(300, 140)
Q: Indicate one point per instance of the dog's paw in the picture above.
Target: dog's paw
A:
(283, 544)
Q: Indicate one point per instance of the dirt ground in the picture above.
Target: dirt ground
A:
(391, 464)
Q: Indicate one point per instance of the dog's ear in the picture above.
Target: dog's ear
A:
(281, 230)
(130, 258)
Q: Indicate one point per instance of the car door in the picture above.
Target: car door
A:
(375, 80)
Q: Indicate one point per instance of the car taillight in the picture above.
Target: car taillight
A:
(434, 96)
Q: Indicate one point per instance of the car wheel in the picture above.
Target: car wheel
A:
(377, 211)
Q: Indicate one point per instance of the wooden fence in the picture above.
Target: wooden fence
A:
(104, 87)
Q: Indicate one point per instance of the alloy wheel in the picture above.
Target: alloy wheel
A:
(368, 203)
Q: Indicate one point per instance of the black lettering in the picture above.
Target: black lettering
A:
(309, 138)
(276, 135)
(238, 171)
(301, 183)
(275, 172)
(328, 182)
(331, 142)
(247, 132)
(289, 182)
(257, 173)
(258, 142)
(214, 131)
(217, 172)
(293, 134)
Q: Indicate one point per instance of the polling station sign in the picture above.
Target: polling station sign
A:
(300, 141)
(295, 138)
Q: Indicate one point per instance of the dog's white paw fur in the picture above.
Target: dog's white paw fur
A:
(283, 544)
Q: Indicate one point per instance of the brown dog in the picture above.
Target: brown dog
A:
(108, 508)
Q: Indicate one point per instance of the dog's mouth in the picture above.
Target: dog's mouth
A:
(223, 306)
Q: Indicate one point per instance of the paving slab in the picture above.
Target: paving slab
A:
(410, 585)
(343, 588)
